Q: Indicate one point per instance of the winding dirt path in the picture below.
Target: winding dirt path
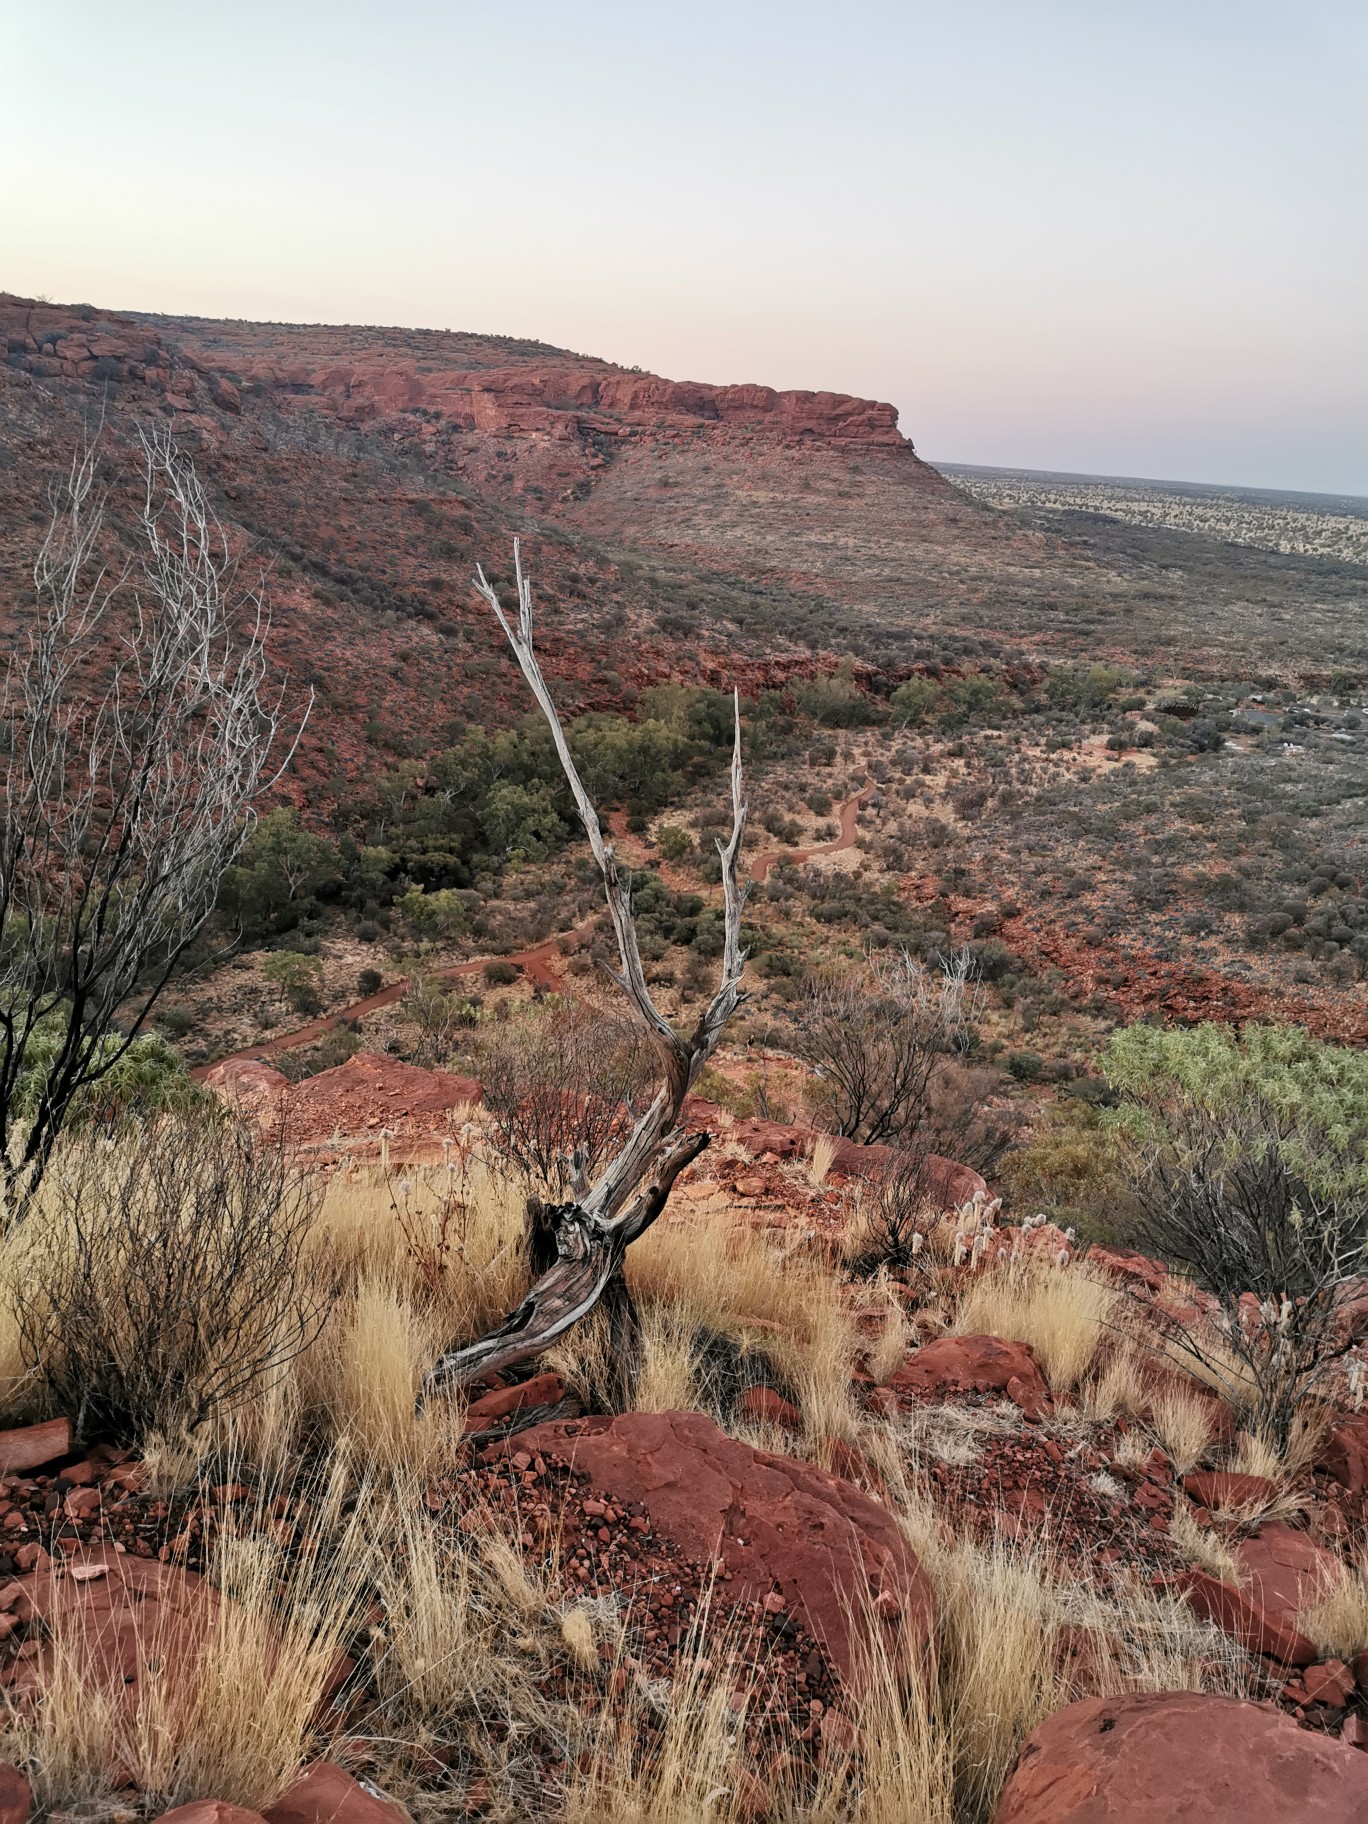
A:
(850, 814)
(538, 963)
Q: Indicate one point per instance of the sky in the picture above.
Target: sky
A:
(1098, 237)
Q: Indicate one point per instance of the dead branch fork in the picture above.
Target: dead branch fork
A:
(591, 1235)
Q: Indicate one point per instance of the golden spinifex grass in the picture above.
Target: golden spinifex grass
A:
(1062, 1312)
(233, 1720)
(465, 1632)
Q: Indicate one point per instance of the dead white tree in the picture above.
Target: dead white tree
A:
(577, 1249)
(136, 737)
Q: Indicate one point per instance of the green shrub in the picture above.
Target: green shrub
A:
(674, 843)
(1247, 1157)
(298, 979)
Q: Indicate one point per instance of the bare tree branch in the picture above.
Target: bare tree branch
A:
(136, 744)
(592, 1234)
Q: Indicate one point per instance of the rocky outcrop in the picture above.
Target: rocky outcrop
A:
(975, 1364)
(371, 1091)
(249, 1084)
(368, 1095)
(949, 1184)
(563, 397)
(327, 1794)
(1171, 1758)
(834, 1557)
(131, 1619)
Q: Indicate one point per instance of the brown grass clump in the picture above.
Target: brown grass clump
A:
(239, 1728)
(1183, 1424)
(1062, 1312)
(1338, 1622)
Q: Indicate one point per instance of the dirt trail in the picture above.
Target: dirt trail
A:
(535, 963)
(538, 963)
(850, 812)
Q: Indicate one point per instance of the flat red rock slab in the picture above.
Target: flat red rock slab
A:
(129, 1614)
(31, 1446)
(1285, 1571)
(837, 1557)
(1182, 1758)
(1238, 1614)
(1218, 1488)
(327, 1794)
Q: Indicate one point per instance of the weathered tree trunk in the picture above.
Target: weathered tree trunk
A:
(576, 1251)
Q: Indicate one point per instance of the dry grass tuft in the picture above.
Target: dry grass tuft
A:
(577, 1631)
(1062, 1312)
(821, 1160)
(670, 1362)
(1117, 1388)
(888, 1354)
(1203, 1546)
(716, 1277)
(1183, 1424)
(1338, 1623)
(999, 1620)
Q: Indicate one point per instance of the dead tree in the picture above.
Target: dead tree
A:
(586, 1240)
(137, 735)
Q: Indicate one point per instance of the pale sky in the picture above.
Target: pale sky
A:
(1109, 238)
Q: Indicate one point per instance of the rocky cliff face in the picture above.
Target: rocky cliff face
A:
(467, 382)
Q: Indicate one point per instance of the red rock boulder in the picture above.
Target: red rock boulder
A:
(975, 1364)
(31, 1446)
(1344, 1455)
(129, 1618)
(837, 1557)
(210, 1811)
(1284, 1571)
(546, 1389)
(327, 1794)
(1180, 1757)
(1236, 1613)
(16, 1797)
